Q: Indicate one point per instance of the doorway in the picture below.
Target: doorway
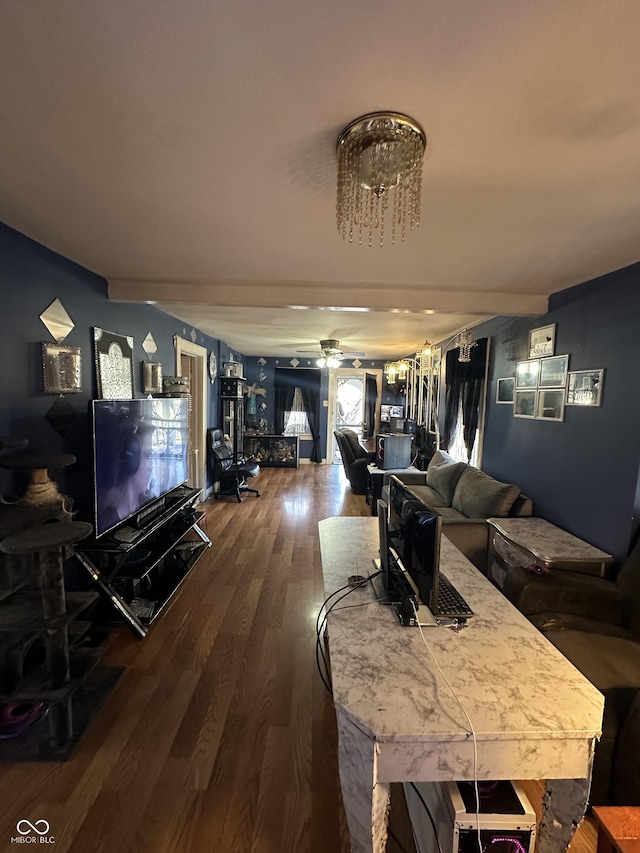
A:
(191, 360)
(346, 409)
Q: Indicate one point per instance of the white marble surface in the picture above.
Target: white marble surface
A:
(534, 715)
(547, 542)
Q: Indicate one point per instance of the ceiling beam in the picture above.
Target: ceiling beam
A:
(400, 298)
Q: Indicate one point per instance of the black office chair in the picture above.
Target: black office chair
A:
(231, 473)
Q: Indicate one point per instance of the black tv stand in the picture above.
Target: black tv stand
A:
(138, 569)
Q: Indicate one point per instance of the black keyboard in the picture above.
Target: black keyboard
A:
(450, 602)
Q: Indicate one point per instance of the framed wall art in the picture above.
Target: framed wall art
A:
(505, 390)
(550, 405)
(62, 369)
(542, 341)
(584, 387)
(525, 404)
(527, 373)
(553, 371)
(114, 365)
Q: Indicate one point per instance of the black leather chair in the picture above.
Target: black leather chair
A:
(231, 473)
(354, 458)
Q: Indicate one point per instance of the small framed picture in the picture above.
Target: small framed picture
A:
(550, 404)
(527, 373)
(542, 341)
(584, 387)
(62, 369)
(553, 371)
(505, 390)
(525, 404)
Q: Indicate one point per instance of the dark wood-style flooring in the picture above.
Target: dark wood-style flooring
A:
(220, 737)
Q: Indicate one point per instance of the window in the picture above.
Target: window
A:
(295, 421)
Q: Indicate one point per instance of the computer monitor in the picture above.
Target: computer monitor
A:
(391, 585)
(418, 529)
(388, 411)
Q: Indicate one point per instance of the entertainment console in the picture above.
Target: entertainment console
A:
(140, 564)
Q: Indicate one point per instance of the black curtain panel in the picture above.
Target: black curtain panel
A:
(311, 400)
(464, 386)
(370, 400)
(283, 400)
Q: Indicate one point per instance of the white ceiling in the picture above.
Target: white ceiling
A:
(186, 152)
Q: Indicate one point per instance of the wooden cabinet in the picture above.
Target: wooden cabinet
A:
(273, 451)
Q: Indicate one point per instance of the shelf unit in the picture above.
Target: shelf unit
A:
(50, 685)
(138, 571)
(273, 451)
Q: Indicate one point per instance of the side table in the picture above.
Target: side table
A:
(375, 482)
(534, 541)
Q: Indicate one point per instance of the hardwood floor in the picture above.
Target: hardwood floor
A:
(220, 738)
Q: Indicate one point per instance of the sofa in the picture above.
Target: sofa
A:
(595, 623)
(465, 497)
(354, 459)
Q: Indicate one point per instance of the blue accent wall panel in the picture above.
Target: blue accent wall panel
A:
(31, 278)
(582, 473)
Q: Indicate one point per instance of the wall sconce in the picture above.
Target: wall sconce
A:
(152, 377)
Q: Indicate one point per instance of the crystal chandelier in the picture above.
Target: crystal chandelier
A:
(379, 168)
(464, 342)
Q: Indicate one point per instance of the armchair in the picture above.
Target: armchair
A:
(232, 473)
(354, 459)
(595, 623)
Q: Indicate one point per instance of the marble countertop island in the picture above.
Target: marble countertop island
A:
(410, 711)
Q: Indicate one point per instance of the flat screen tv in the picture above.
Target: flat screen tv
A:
(139, 455)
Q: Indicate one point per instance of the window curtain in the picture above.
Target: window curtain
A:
(285, 384)
(464, 386)
(370, 399)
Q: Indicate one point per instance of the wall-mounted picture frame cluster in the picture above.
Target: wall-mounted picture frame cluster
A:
(540, 388)
(544, 385)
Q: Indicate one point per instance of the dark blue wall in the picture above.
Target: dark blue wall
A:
(31, 277)
(582, 473)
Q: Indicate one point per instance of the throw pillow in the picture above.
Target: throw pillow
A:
(478, 495)
(443, 475)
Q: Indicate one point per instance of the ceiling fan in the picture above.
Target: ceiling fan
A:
(329, 354)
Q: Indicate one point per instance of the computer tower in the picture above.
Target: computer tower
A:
(507, 819)
(393, 451)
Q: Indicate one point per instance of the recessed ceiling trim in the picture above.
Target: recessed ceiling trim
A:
(329, 295)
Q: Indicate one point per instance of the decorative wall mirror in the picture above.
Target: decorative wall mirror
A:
(62, 369)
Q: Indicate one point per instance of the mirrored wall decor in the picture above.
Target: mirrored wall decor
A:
(62, 369)
(59, 324)
(149, 345)
(114, 365)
